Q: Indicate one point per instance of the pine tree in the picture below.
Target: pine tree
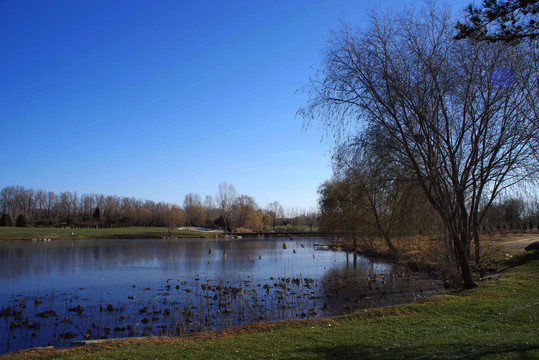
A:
(5, 220)
(97, 214)
(20, 221)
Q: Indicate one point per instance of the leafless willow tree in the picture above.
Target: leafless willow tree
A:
(192, 205)
(173, 217)
(384, 191)
(246, 213)
(341, 210)
(460, 115)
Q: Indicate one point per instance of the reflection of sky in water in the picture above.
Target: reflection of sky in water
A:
(139, 277)
(109, 266)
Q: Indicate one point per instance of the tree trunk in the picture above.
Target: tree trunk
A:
(462, 260)
(390, 245)
(477, 249)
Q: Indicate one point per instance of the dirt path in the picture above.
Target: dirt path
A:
(520, 242)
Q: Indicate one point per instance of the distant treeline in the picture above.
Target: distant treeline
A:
(512, 214)
(22, 206)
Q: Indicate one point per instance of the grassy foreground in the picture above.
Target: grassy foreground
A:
(23, 233)
(497, 320)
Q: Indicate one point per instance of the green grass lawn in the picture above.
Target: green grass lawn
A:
(497, 320)
(12, 232)
(292, 228)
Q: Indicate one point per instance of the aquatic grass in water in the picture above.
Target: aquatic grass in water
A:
(232, 291)
(176, 309)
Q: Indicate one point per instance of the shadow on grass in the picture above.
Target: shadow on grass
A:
(521, 259)
(439, 351)
(517, 352)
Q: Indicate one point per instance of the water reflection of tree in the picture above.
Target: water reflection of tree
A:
(364, 284)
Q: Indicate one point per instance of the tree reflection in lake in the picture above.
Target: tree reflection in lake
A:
(63, 291)
(362, 285)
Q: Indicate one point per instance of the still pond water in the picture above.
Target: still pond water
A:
(63, 291)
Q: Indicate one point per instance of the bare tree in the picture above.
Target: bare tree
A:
(173, 217)
(30, 198)
(74, 203)
(64, 204)
(111, 209)
(385, 191)
(52, 199)
(20, 200)
(245, 213)
(501, 20)
(312, 217)
(6, 199)
(192, 199)
(99, 200)
(275, 211)
(341, 210)
(41, 201)
(143, 216)
(461, 115)
(226, 197)
(296, 216)
(192, 205)
(68, 208)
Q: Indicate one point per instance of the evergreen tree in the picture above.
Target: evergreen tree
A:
(97, 214)
(20, 221)
(5, 220)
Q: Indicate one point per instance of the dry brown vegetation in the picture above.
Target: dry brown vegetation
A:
(431, 253)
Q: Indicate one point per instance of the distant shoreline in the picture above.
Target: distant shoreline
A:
(32, 233)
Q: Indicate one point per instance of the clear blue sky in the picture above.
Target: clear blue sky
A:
(157, 99)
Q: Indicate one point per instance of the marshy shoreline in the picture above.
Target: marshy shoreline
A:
(498, 317)
(179, 303)
(163, 311)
